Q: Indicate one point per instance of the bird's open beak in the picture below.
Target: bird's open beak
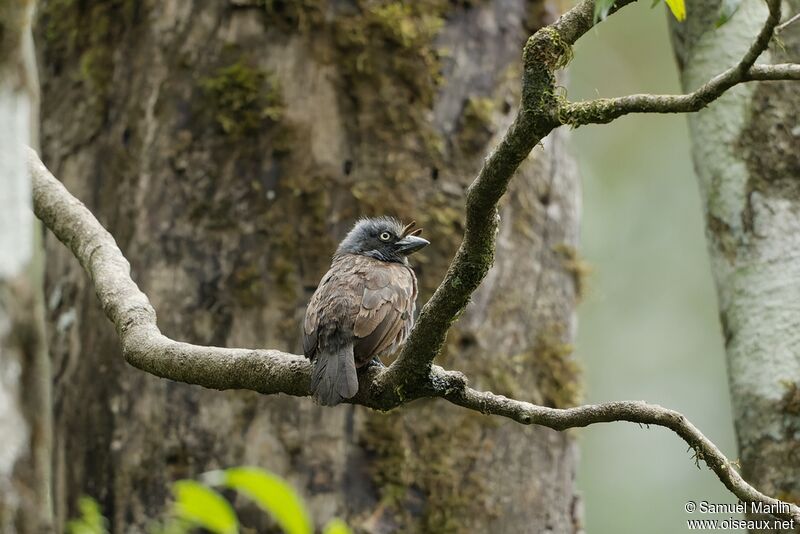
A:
(410, 244)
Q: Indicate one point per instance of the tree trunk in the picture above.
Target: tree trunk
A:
(24, 369)
(228, 146)
(747, 162)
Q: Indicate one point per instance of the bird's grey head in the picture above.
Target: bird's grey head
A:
(382, 238)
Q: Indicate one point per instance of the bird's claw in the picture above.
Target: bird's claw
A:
(375, 362)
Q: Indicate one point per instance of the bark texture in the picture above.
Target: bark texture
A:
(24, 371)
(747, 162)
(228, 146)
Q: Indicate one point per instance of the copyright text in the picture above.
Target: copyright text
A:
(733, 523)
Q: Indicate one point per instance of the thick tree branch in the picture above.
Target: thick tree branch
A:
(273, 371)
(146, 348)
(605, 110)
(143, 345)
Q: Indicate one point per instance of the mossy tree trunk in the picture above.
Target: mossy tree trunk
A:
(228, 146)
(747, 161)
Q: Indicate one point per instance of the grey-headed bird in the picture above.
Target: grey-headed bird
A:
(364, 305)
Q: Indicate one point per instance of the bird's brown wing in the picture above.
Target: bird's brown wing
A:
(386, 313)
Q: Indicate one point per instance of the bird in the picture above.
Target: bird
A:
(363, 307)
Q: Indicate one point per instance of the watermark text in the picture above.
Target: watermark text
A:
(733, 523)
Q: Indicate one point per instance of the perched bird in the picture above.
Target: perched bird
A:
(364, 305)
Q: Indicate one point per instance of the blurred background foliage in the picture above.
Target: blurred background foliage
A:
(648, 328)
(198, 505)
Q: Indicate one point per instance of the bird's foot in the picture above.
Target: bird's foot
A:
(375, 362)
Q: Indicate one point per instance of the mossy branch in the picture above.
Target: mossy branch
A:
(545, 51)
(272, 371)
(541, 110)
(605, 110)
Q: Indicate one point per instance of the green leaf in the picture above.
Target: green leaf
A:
(91, 521)
(601, 9)
(678, 9)
(336, 526)
(204, 507)
(271, 493)
(726, 11)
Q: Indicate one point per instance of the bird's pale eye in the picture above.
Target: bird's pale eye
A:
(385, 236)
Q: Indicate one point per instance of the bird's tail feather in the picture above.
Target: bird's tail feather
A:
(334, 377)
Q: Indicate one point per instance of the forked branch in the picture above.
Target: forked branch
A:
(604, 110)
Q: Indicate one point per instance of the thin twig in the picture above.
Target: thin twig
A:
(629, 411)
(782, 26)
